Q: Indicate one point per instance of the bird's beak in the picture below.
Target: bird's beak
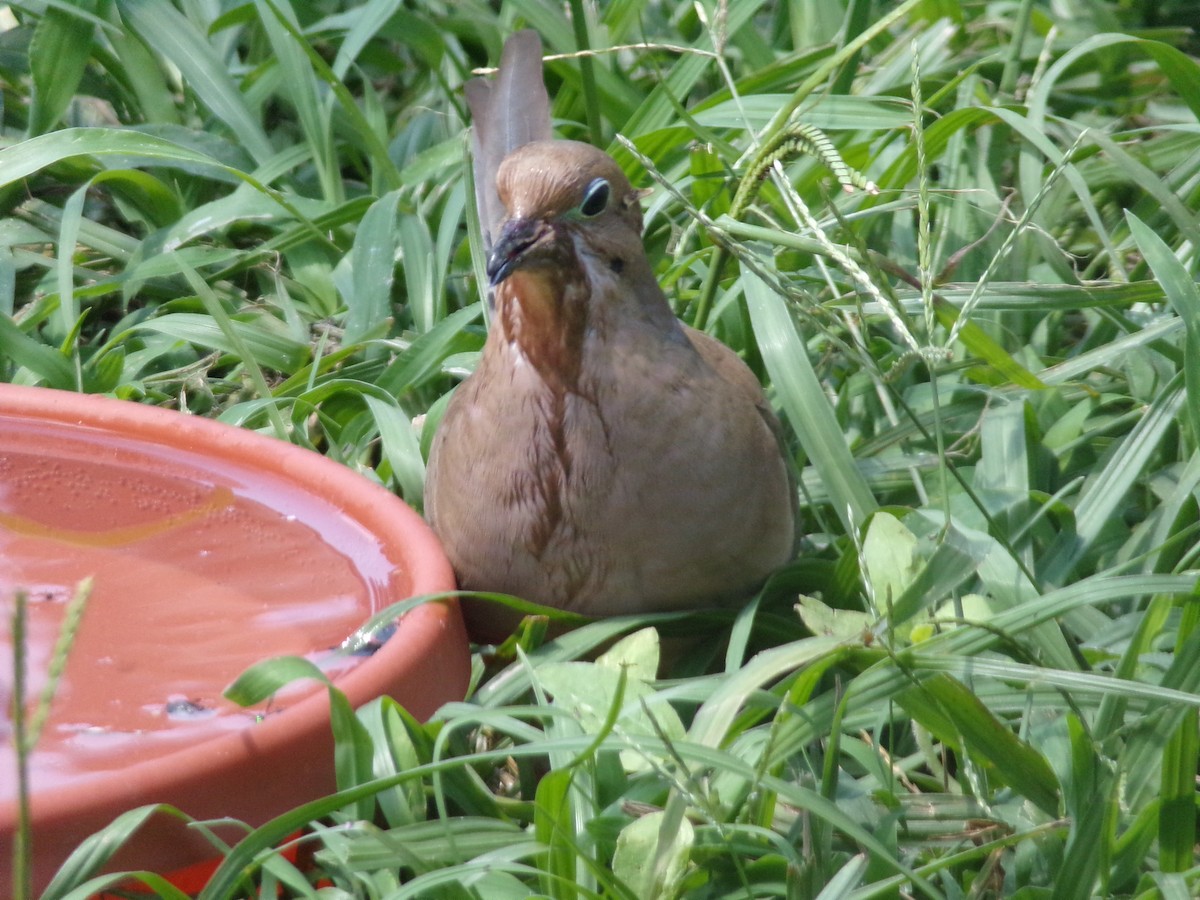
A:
(517, 238)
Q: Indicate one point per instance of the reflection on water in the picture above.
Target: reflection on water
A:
(201, 568)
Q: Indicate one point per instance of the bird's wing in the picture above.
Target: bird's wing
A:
(506, 113)
(729, 366)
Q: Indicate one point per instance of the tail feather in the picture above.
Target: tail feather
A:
(511, 111)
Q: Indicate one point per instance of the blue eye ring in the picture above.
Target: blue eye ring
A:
(595, 198)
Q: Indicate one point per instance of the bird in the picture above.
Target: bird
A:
(603, 458)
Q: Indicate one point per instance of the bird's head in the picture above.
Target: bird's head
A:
(569, 206)
(568, 259)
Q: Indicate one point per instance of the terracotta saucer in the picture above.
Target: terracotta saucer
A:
(210, 548)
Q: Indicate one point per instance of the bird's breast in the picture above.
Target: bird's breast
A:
(543, 318)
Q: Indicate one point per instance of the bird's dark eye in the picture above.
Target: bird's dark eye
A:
(595, 198)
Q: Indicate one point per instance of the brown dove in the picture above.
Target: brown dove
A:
(603, 458)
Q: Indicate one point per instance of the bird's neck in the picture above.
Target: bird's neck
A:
(543, 316)
(547, 315)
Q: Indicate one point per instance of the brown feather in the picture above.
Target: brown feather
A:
(506, 114)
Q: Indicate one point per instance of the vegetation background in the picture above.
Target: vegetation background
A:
(958, 241)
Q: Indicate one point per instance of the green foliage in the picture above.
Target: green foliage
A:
(987, 366)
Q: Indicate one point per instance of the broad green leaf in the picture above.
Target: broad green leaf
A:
(90, 856)
(1177, 815)
(263, 680)
(822, 620)
(889, 559)
(1107, 489)
(947, 707)
(45, 362)
(588, 692)
(708, 181)
(637, 654)
(23, 159)
(652, 854)
(58, 56)
(400, 447)
(710, 726)
(982, 345)
(173, 36)
(421, 284)
(1181, 290)
(805, 404)
(1087, 792)
(391, 731)
(372, 262)
(554, 826)
(269, 348)
(300, 85)
(423, 357)
(833, 112)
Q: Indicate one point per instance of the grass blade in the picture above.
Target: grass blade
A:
(805, 404)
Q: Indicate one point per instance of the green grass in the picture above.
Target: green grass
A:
(980, 678)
